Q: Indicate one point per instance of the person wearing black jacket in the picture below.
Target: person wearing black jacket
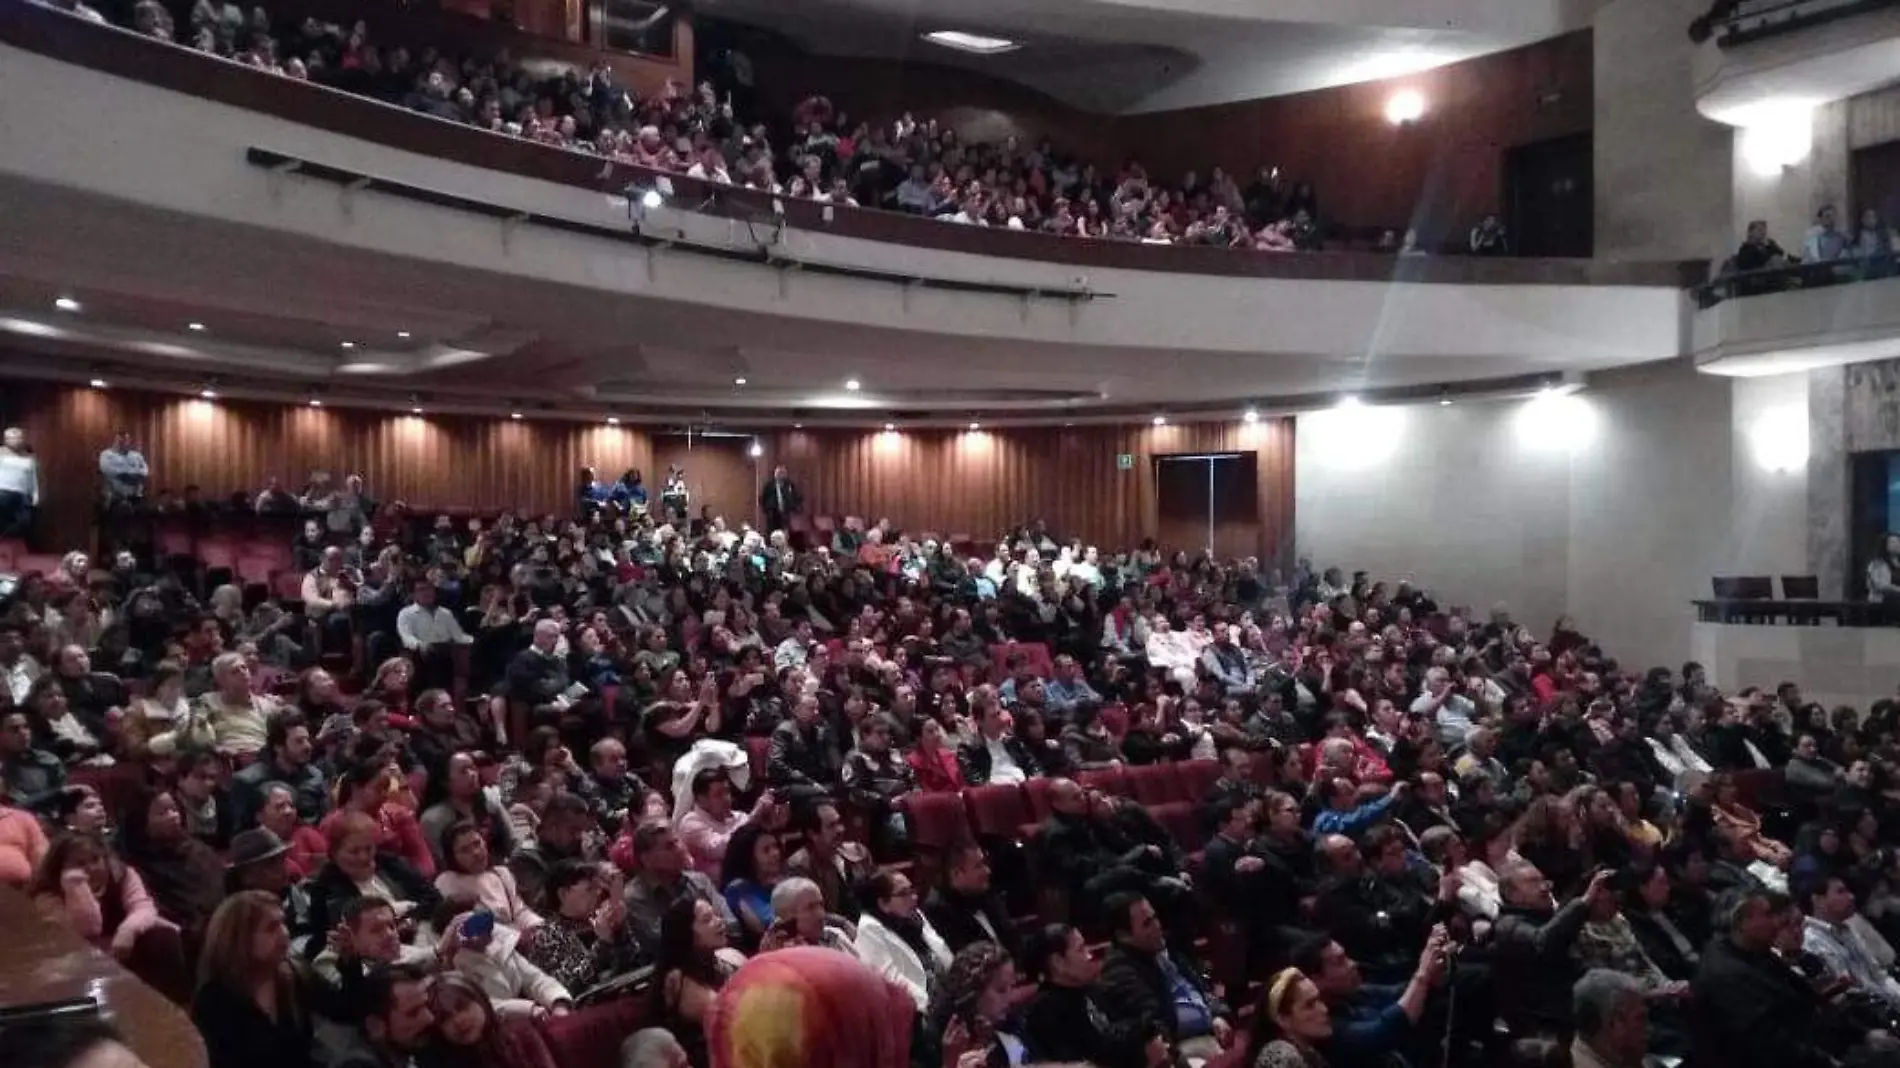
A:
(355, 862)
(1530, 949)
(780, 500)
(1089, 859)
(965, 909)
(1067, 1020)
(977, 757)
(803, 760)
(1143, 979)
(1646, 892)
(536, 677)
(1251, 884)
(1380, 915)
(1750, 1009)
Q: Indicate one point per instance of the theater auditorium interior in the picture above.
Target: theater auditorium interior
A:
(855, 534)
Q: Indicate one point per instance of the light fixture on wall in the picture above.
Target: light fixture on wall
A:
(1776, 134)
(757, 450)
(66, 304)
(196, 328)
(1251, 415)
(97, 383)
(853, 385)
(208, 393)
(1161, 420)
(514, 415)
(976, 426)
(1779, 438)
(1405, 106)
(613, 420)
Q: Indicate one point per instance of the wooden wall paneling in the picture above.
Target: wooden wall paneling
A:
(945, 481)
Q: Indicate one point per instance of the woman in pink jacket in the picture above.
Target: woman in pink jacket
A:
(82, 885)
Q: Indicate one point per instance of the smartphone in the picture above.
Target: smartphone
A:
(479, 924)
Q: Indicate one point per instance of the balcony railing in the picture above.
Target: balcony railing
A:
(1736, 22)
(1732, 284)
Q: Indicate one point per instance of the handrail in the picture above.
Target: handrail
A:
(1738, 22)
(1736, 285)
(123, 53)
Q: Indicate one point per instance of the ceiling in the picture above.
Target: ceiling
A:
(1127, 56)
(289, 318)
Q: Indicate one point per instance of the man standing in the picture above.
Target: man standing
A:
(124, 470)
(779, 500)
(19, 483)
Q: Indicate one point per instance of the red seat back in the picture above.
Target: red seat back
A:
(998, 810)
(519, 1041)
(1155, 784)
(758, 751)
(287, 586)
(1037, 791)
(591, 1037)
(937, 821)
(1108, 780)
(1196, 778)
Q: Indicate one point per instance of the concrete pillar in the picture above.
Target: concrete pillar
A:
(1662, 170)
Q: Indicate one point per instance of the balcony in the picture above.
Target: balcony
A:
(540, 278)
(1767, 62)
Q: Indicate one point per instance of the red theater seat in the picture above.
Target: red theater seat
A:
(520, 1044)
(1108, 780)
(998, 811)
(937, 821)
(1196, 778)
(591, 1037)
(1037, 791)
(28, 563)
(758, 752)
(1155, 784)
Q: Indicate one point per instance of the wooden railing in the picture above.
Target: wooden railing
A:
(121, 52)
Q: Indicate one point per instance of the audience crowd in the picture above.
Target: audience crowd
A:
(817, 153)
(481, 775)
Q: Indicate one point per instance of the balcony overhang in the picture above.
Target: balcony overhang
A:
(1755, 79)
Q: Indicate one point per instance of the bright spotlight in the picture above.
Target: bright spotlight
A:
(98, 383)
(651, 199)
(1406, 105)
(66, 304)
(852, 384)
(757, 450)
(1251, 415)
(1161, 420)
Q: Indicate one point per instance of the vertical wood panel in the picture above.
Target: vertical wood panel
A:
(950, 482)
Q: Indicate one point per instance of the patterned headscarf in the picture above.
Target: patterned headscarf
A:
(809, 1008)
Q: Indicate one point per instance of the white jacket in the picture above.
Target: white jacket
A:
(515, 986)
(891, 957)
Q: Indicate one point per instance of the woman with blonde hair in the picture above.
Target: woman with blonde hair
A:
(1288, 1024)
(254, 1005)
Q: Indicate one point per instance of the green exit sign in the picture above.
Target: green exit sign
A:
(1124, 461)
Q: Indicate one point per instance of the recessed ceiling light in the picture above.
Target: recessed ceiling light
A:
(613, 420)
(403, 334)
(1251, 415)
(976, 426)
(739, 381)
(415, 411)
(315, 403)
(651, 199)
(208, 394)
(195, 327)
(349, 344)
(1444, 402)
(852, 384)
(98, 383)
(972, 42)
(890, 426)
(1161, 420)
(1350, 400)
(66, 304)
(798, 426)
(514, 415)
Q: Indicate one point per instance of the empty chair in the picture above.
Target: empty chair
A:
(1755, 588)
(1801, 587)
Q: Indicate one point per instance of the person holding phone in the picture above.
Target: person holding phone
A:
(490, 954)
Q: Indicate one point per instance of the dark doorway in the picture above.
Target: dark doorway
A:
(1208, 502)
(1548, 197)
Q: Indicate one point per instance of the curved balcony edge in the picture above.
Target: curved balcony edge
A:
(120, 52)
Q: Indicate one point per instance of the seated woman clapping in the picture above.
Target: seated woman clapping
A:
(587, 941)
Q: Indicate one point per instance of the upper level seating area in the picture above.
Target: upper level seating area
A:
(816, 154)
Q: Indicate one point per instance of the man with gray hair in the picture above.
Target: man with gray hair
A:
(1612, 1021)
(652, 1047)
(239, 718)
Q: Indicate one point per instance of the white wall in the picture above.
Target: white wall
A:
(1614, 505)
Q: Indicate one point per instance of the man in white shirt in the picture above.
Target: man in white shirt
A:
(436, 637)
(795, 650)
(19, 483)
(1450, 710)
(328, 594)
(124, 470)
(239, 718)
(18, 669)
(1826, 934)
